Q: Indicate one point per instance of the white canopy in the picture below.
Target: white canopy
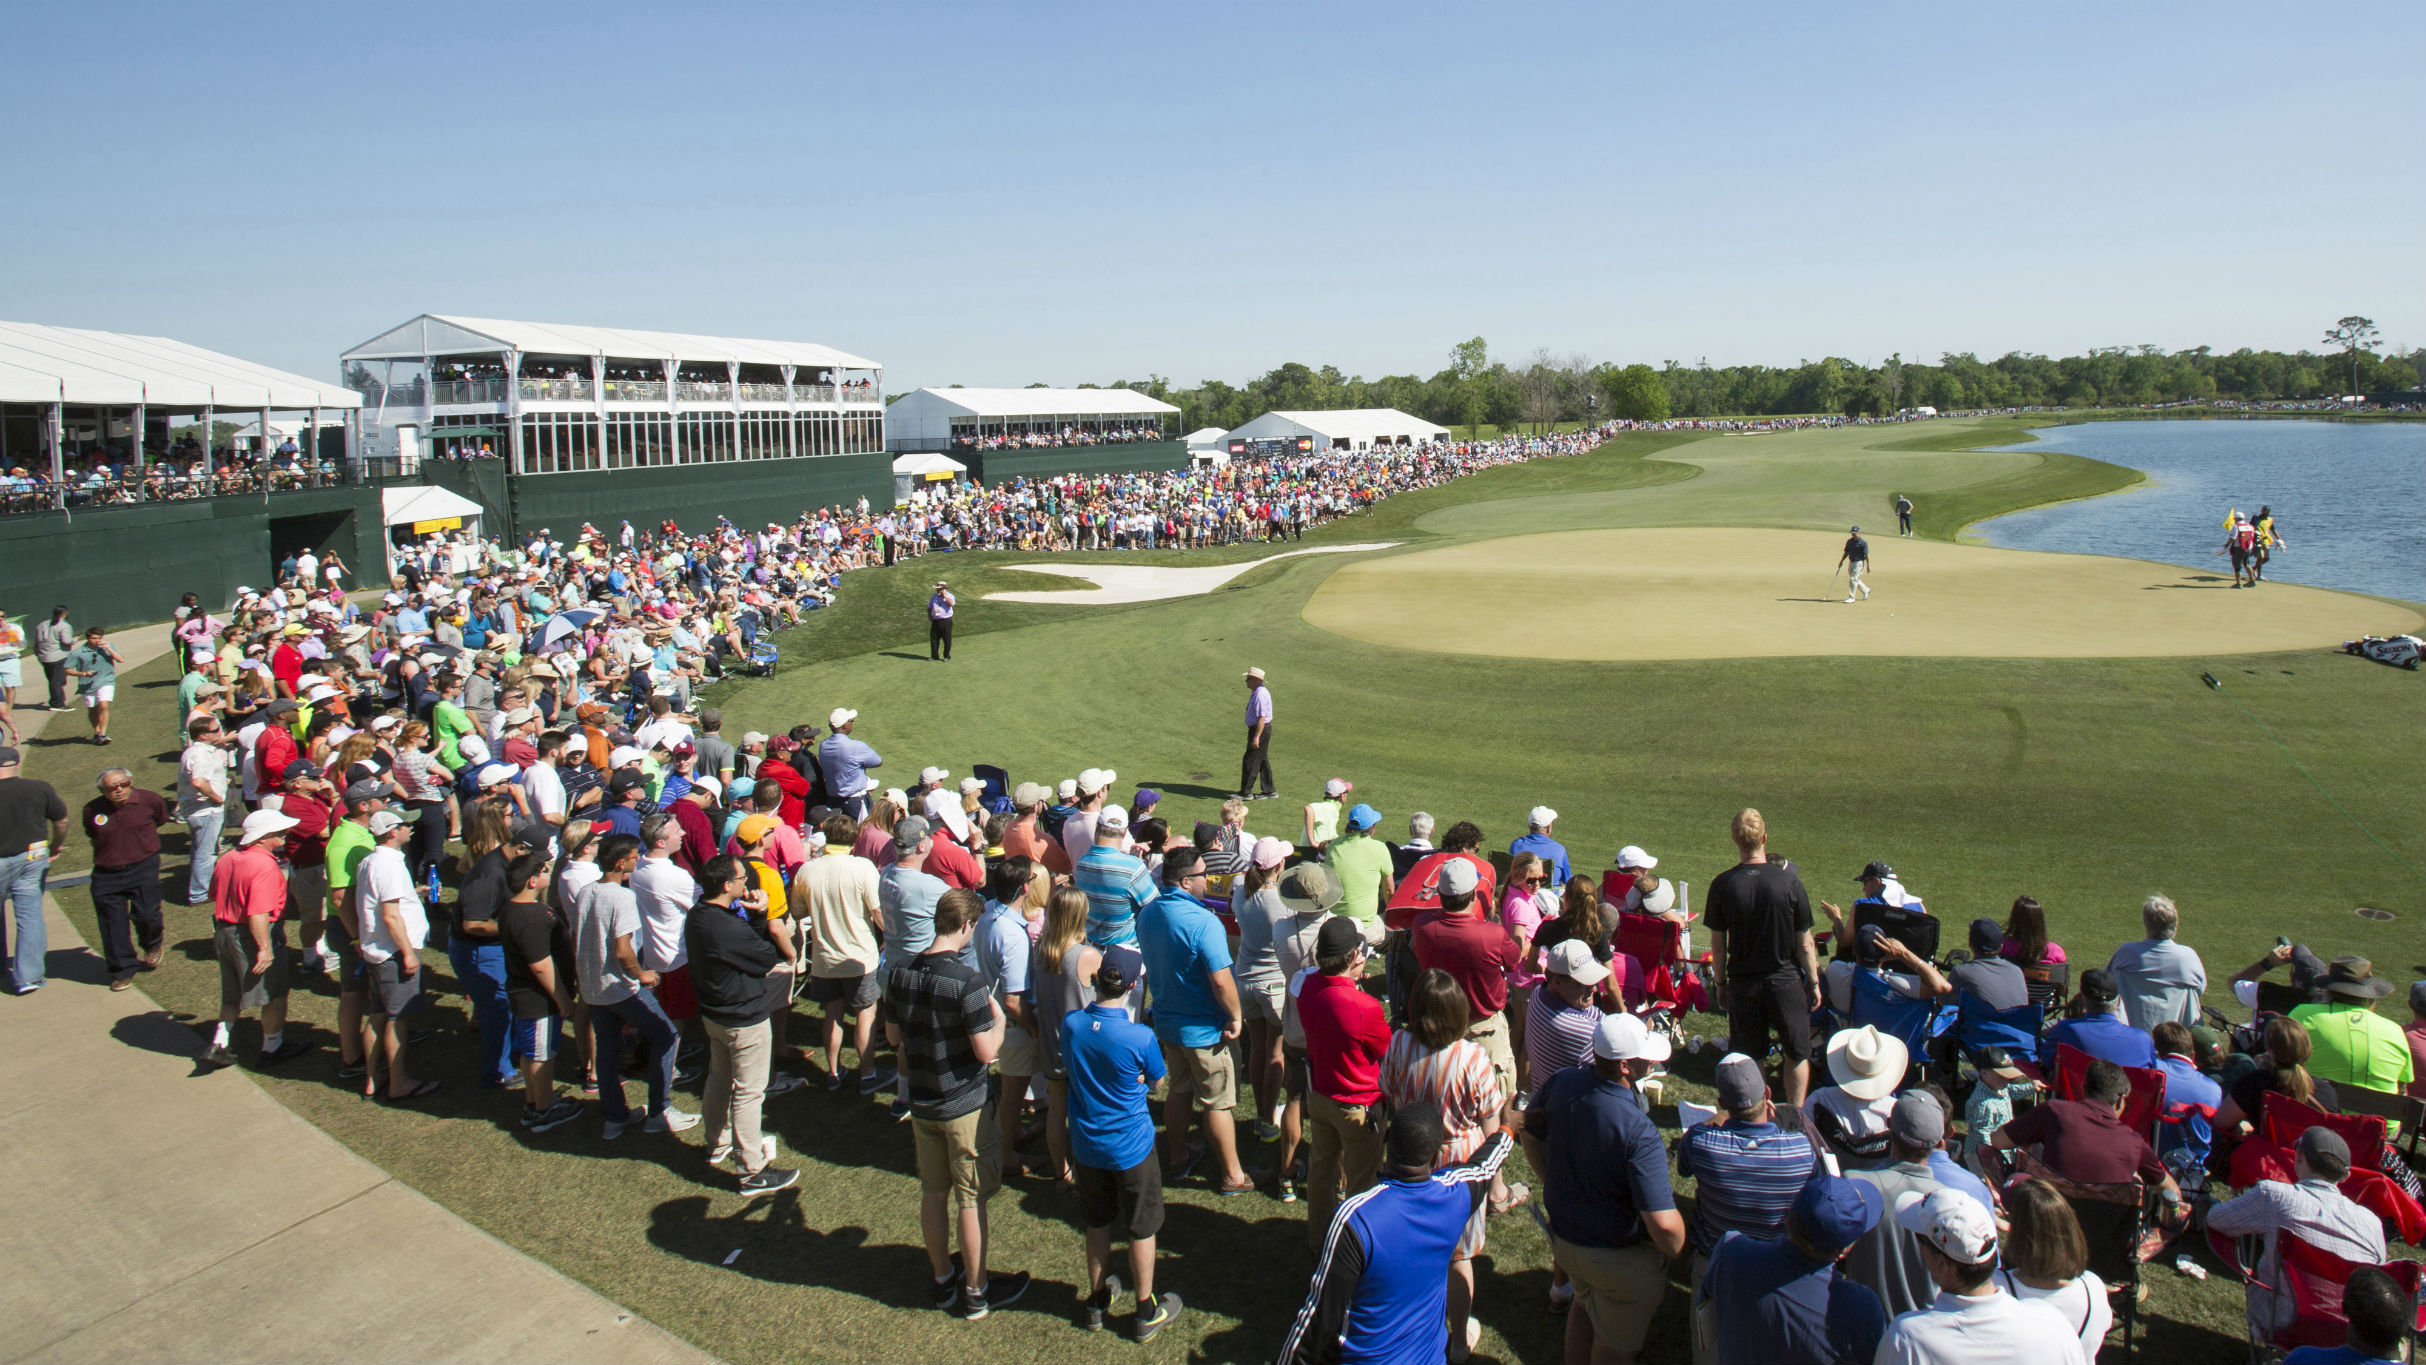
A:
(1039, 402)
(446, 334)
(1205, 438)
(920, 466)
(404, 506)
(1357, 426)
(41, 364)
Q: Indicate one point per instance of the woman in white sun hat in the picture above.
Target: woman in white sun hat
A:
(1852, 1114)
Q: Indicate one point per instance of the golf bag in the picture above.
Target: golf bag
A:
(2401, 651)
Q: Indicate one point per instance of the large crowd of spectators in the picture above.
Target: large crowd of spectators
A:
(1089, 434)
(106, 477)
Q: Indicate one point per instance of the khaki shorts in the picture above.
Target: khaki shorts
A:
(1492, 1033)
(1263, 1002)
(1621, 1289)
(1209, 1072)
(1018, 1054)
(962, 1155)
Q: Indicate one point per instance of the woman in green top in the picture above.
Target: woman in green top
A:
(1322, 817)
(450, 722)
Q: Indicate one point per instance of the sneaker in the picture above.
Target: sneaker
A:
(671, 1121)
(874, 1081)
(783, 1083)
(1166, 1308)
(1562, 1296)
(1287, 1192)
(833, 1080)
(1099, 1303)
(1001, 1292)
(768, 1180)
(1266, 1131)
(766, 1151)
(350, 1071)
(615, 1128)
(899, 1110)
(947, 1289)
(684, 1080)
(286, 1052)
(217, 1055)
(563, 1111)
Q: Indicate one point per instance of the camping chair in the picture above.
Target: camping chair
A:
(2282, 1119)
(1670, 989)
(2409, 1113)
(2141, 1113)
(1914, 1022)
(2050, 984)
(2114, 1221)
(2313, 1279)
(1978, 1028)
(997, 793)
(1909, 925)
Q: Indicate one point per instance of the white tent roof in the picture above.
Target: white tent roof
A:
(447, 334)
(919, 466)
(1042, 402)
(403, 506)
(1361, 424)
(41, 364)
(1206, 436)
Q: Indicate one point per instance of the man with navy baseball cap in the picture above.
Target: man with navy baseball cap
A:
(1785, 1299)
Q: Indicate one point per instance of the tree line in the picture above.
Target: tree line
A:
(1476, 387)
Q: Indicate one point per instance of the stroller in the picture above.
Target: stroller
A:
(763, 656)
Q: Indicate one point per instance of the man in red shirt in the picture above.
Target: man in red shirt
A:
(778, 769)
(286, 661)
(1346, 1036)
(2085, 1140)
(1025, 840)
(1478, 952)
(275, 749)
(307, 801)
(248, 899)
(690, 811)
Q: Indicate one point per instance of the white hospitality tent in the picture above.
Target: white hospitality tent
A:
(929, 419)
(1344, 429)
(917, 470)
(406, 513)
(112, 381)
(1205, 445)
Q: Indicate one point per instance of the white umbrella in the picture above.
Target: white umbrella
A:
(565, 623)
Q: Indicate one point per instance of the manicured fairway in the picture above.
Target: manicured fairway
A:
(1694, 593)
(2085, 782)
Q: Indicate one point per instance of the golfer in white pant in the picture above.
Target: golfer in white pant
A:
(1856, 558)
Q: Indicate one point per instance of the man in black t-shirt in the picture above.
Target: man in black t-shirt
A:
(538, 997)
(1856, 558)
(33, 824)
(1760, 933)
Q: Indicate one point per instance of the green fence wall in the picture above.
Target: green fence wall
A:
(997, 466)
(121, 566)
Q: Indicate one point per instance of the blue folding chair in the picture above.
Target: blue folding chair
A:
(2015, 1030)
(1878, 1004)
(997, 793)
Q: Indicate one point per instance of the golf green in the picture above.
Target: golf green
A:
(2086, 782)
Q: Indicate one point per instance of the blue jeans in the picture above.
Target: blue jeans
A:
(22, 879)
(642, 1013)
(480, 971)
(204, 826)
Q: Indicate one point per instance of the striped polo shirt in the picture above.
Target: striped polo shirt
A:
(1747, 1175)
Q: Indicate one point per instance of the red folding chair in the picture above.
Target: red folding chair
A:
(2283, 1119)
(2313, 1279)
(1657, 945)
(2141, 1113)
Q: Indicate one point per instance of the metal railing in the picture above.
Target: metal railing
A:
(695, 391)
(868, 396)
(763, 393)
(557, 390)
(493, 389)
(635, 390)
(813, 393)
(159, 484)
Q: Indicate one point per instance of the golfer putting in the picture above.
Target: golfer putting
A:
(1855, 561)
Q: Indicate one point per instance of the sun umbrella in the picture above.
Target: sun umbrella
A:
(565, 623)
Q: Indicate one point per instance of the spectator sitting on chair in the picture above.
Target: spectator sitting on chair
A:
(2189, 1092)
(2350, 1044)
(2415, 1036)
(1749, 1171)
(2101, 1031)
(2380, 1314)
(1879, 886)
(2311, 1206)
(2026, 941)
(1538, 842)
(1786, 1300)
(1910, 974)
(2084, 1140)
(2046, 1259)
(1854, 1116)
(2158, 977)
(1988, 977)
(1971, 1321)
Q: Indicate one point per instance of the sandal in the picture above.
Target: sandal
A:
(421, 1091)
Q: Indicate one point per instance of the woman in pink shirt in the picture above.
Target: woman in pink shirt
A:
(1520, 913)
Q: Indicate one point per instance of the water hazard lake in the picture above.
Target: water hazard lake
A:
(2349, 498)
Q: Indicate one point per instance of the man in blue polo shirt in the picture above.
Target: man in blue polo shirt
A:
(1613, 1219)
(1196, 1015)
(1784, 1301)
(1381, 1290)
(1748, 1170)
(2102, 1032)
(1111, 1063)
(1537, 841)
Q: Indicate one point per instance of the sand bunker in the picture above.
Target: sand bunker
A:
(1688, 593)
(1118, 583)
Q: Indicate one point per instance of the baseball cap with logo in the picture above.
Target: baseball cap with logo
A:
(1113, 818)
(1626, 1038)
(1739, 1081)
(1951, 1221)
(909, 831)
(1572, 958)
(1457, 877)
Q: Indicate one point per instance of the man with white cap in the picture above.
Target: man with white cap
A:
(940, 606)
(248, 901)
(1026, 837)
(1078, 826)
(1888, 1258)
(1562, 1012)
(1605, 1188)
(394, 922)
(1969, 1321)
(940, 804)
(845, 762)
(1538, 842)
(1255, 770)
(1115, 881)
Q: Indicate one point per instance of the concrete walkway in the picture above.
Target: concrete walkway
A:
(156, 1214)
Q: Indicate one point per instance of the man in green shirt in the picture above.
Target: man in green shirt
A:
(197, 676)
(349, 843)
(1364, 868)
(450, 722)
(2350, 1044)
(95, 664)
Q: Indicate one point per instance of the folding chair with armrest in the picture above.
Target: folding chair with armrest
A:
(2114, 1222)
(2313, 1279)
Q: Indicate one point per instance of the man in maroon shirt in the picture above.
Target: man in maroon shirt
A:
(124, 824)
(690, 811)
(1346, 1036)
(2084, 1140)
(1478, 952)
(307, 800)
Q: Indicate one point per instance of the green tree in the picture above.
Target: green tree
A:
(1636, 393)
(2352, 334)
(1468, 359)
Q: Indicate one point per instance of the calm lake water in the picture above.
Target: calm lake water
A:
(2349, 498)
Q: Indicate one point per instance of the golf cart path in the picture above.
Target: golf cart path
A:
(1122, 583)
(163, 1213)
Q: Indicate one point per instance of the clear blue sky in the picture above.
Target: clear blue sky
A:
(994, 194)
